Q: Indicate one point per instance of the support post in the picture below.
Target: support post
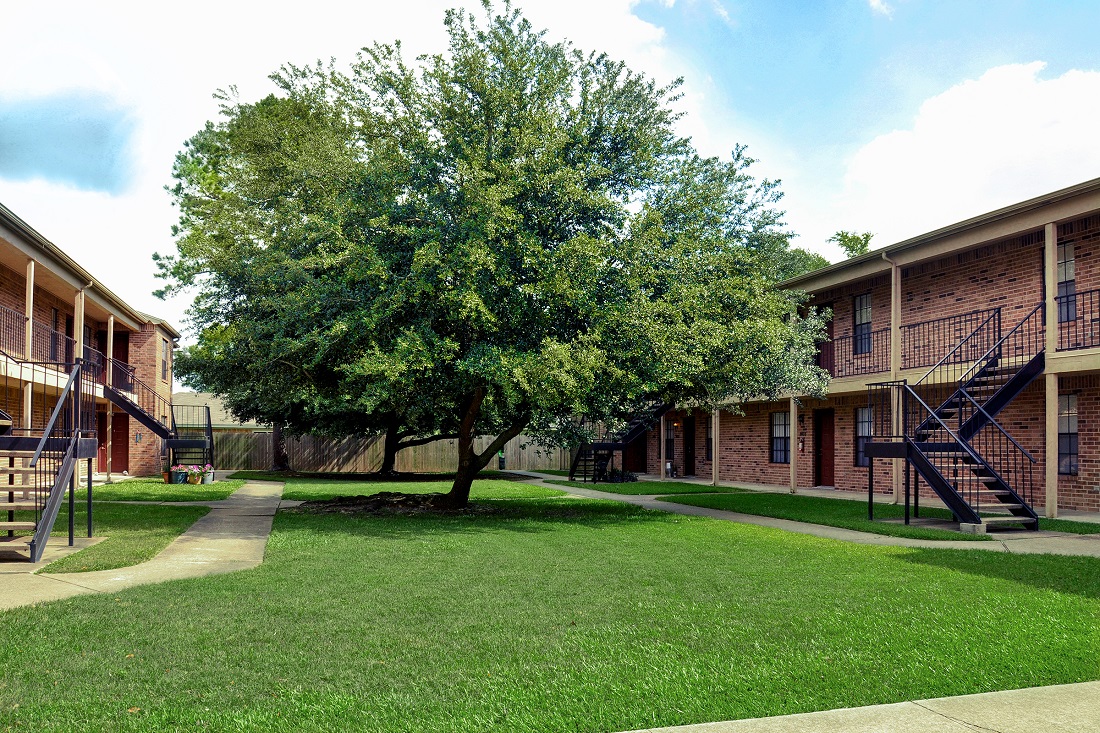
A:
(28, 346)
(715, 423)
(907, 473)
(72, 509)
(1050, 291)
(110, 405)
(896, 464)
(871, 490)
(1050, 466)
(89, 497)
(792, 449)
(661, 447)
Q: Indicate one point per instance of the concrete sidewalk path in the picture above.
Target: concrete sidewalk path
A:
(232, 536)
(1018, 542)
(1055, 709)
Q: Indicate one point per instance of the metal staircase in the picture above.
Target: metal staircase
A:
(592, 460)
(186, 430)
(945, 425)
(38, 462)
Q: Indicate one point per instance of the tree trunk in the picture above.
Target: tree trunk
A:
(470, 462)
(389, 449)
(280, 461)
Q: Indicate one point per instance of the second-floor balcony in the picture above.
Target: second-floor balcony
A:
(1078, 320)
(49, 349)
(850, 356)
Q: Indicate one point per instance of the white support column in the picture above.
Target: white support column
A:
(1050, 291)
(107, 381)
(897, 464)
(715, 423)
(661, 448)
(28, 346)
(792, 449)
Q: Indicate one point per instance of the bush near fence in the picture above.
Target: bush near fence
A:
(252, 451)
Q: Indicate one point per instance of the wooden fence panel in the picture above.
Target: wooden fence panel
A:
(253, 450)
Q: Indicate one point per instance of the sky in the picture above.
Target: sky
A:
(889, 116)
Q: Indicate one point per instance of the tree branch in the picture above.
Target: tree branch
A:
(424, 441)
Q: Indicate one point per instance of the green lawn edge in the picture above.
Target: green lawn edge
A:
(154, 489)
(646, 488)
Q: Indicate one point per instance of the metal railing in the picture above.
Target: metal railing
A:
(839, 358)
(13, 332)
(150, 401)
(926, 343)
(192, 422)
(1079, 320)
(48, 345)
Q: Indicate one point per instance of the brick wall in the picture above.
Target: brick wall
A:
(145, 357)
(1083, 490)
(1006, 275)
(840, 299)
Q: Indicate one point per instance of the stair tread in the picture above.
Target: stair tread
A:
(17, 525)
(1007, 518)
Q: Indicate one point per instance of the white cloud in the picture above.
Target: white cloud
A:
(982, 144)
(880, 7)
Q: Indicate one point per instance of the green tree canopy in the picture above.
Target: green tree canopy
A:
(494, 240)
(853, 243)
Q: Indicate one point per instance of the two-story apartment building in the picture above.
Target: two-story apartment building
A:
(984, 339)
(86, 386)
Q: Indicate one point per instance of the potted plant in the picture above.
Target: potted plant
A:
(178, 474)
(166, 472)
(208, 474)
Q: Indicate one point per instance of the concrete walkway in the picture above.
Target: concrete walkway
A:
(232, 536)
(1055, 709)
(1018, 542)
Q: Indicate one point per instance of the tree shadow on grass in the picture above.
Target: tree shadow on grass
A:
(489, 515)
(1062, 574)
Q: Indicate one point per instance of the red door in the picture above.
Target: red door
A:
(824, 448)
(120, 443)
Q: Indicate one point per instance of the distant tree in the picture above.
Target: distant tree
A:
(495, 241)
(852, 243)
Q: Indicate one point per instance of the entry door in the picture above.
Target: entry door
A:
(689, 445)
(120, 443)
(824, 448)
(826, 357)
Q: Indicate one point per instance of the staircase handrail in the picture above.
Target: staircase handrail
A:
(75, 375)
(1000, 342)
(157, 398)
(996, 313)
(53, 502)
(951, 433)
(997, 425)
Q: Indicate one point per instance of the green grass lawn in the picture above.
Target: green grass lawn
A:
(135, 533)
(641, 488)
(851, 514)
(552, 614)
(326, 486)
(154, 489)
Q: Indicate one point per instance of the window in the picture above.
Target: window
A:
(1067, 434)
(861, 324)
(1067, 284)
(864, 420)
(164, 354)
(781, 437)
(708, 453)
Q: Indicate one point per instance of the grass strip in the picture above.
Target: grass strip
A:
(154, 489)
(135, 533)
(644, 488)
(547, 615)
(843, 513)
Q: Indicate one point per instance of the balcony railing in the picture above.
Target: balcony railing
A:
(839, 357)
(924, 344)
(48, 345)
(13, 331)
(1079, 320)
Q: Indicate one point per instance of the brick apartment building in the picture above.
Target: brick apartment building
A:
(52, 313)
(984, 339)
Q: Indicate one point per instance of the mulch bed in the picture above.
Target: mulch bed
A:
(386, 503)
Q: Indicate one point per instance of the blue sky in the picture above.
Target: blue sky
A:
(890, 116)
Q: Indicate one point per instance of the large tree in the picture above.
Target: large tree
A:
(498, 239)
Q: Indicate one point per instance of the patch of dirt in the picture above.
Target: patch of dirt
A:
(388, 503)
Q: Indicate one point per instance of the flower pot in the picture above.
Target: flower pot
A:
(167, 475)
(179, 477)
(195, 479)
(208, 477)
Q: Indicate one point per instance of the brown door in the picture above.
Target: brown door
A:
(689, 445)
(826, 357)
(120, 443)
(636, 455)
(824, 448)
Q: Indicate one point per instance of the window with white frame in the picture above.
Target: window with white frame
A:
(1067, 284)
(861, 324)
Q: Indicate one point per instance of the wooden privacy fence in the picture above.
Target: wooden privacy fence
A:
(252, 450)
